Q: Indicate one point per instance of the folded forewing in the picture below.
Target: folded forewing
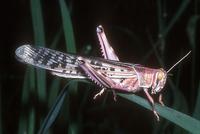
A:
(58, 63)
(65, 65)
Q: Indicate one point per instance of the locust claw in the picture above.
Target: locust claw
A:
(114, 95)
(152, 103)
(156, 114)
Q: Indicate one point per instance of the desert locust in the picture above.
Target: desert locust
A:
(107, 72)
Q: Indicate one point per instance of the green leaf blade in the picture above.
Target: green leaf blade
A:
(39, 36)
(68, 28)
(186, 122)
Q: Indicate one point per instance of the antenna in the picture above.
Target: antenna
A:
(178, 62)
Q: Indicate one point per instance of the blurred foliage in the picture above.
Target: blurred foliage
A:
(46, 107)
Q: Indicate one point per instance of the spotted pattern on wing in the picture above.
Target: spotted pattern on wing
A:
(49, 59)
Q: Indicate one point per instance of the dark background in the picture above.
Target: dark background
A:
(139, 17)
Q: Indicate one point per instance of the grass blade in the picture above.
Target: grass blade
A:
(54, 111)
(28, 85)
(196, 113)
(191, 32)
(22, 129)
(31, 125)
(56, 39)
(68, 34)
(39, 36)
(186, 122)
(53, 92)
(55, 84)
(25, 91)
(71, 48)
(37, 20)
(68, 28)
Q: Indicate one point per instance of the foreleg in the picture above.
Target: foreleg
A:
(160, 100)
(152, 103)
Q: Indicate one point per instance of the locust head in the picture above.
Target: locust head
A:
(160, 80)
(161, 77)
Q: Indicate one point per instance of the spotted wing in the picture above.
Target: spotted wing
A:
(61, 64)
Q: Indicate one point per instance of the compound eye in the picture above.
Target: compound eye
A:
(160, 75)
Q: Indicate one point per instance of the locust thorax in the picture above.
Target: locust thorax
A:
(159, 81)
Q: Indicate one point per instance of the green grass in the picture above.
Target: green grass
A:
(59, 103)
